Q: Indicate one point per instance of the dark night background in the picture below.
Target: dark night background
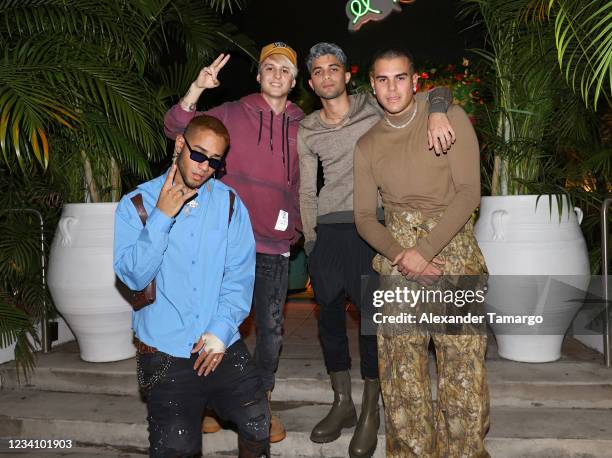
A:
(429, 28)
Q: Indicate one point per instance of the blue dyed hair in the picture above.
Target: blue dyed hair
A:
(322, 49)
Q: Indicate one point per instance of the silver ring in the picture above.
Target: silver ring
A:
(182, 192)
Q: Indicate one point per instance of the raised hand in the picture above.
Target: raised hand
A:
(172, 196)
(207, 78)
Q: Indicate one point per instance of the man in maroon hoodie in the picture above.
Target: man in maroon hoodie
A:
(262, 165)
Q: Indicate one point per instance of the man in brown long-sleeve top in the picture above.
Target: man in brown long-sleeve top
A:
(428, 201)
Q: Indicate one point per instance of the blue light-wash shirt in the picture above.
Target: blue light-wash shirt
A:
(203, 267)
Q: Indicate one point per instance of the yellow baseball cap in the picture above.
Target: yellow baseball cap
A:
(278, 47)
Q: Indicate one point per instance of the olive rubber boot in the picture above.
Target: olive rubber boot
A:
(342, 413)
(363, 443)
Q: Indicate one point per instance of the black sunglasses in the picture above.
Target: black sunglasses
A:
(215, 164)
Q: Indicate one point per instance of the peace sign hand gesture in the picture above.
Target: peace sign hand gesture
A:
(207, 78)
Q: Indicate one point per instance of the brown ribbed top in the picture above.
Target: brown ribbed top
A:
(410, 176)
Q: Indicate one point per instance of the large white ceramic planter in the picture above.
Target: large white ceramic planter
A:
(525, 245)
(83, 284)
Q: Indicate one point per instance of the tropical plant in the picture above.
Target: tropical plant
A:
(24, 300)
(583, 36)
(533, 117)
(83, 88)
(85, 82)
(537, 134)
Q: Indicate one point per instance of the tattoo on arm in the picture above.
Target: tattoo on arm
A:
(184, 103)
(189, 102)
(191, 106)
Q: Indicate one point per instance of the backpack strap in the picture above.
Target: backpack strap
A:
(232, 197)
(142, 212)
(140, 299)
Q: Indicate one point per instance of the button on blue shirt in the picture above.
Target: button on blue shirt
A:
(203, 267)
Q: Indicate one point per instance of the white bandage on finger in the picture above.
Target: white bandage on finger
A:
(212, 344)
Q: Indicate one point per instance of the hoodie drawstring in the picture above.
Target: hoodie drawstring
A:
(271, 123)
(288, 155)
(283, 139)
(260, 126)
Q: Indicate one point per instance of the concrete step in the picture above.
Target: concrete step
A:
(563, 384)
(119, 421)
(75, 450)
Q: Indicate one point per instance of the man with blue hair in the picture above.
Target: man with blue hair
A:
(338, 256)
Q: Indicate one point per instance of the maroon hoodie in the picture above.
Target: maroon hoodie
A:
(262, 164)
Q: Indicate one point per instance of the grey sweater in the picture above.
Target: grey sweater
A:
(334, 145)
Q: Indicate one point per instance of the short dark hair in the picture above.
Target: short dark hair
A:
(206, 122)
(392, 53)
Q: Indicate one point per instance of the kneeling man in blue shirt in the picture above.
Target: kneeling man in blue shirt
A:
(198, 246)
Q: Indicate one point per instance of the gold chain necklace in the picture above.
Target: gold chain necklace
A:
(406, 123)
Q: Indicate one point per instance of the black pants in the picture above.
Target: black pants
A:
(271, 279)
(339, 259)
(177, 399)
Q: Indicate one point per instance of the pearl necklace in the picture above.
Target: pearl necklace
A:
(406, 123)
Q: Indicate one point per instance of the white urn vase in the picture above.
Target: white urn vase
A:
(538, 265)
(83, 284)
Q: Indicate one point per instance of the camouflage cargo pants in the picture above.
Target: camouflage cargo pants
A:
(458, 425)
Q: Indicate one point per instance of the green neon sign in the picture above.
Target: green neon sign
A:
(360, 8)
(360, 12)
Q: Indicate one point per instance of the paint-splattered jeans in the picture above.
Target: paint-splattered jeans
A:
(176, 403)
(271, 280)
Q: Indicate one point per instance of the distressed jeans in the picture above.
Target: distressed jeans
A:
(271, 281)
(178, 396)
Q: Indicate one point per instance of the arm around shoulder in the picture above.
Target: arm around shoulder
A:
(440, 99)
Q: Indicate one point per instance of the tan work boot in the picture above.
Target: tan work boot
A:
(342, 413)
(277, 430)
(210, 424)
(363, 443)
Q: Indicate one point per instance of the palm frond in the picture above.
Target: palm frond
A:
(222, 5)
(55, 88)
(16, 327)
(117, 25)
(199, 32)
(583, 34)
(123, 97)
(102, 137)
